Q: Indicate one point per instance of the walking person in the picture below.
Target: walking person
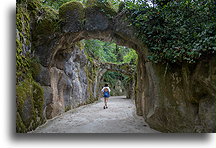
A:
(106, 94)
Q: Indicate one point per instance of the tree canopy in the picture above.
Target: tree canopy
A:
(110, 52)
(175, 31)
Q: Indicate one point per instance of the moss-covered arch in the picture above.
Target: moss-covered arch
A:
(90, 21)
(163, 93)
(96, 21)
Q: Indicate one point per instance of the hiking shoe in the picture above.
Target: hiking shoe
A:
(104, 107)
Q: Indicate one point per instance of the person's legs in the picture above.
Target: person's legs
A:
(106, 102)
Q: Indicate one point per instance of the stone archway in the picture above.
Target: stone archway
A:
(165, 94)
(125, 69)
(94, 21)
(91, 22)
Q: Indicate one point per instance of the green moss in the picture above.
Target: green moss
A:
(38, 97)
(91, 73)
(80, 44)
(23, 21)
(30, 91)
(22, 43)
(48, 23)
(104, 7)
(23, 92)
(67, 10)
(67, 108)
(35, 68)
(33, 5)
(20, 127)
(90, 100)
(29, 94)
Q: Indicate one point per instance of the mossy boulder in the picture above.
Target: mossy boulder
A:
(93, 16)
(104, 7)
(29, 100)
(71, 15)
(98, 15)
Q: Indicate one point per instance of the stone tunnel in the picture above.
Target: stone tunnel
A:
(168, 96)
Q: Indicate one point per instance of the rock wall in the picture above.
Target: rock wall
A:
(171, 98)
(178, 97)
(29, 93)
(67, 83)
(45, 88)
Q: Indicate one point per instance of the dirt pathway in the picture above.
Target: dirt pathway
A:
(120, 117)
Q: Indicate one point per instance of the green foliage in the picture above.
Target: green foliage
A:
(175, 31)
(111, 78)
(131, 57)
(109, 52)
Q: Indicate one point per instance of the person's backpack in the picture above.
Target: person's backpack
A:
(106, 92)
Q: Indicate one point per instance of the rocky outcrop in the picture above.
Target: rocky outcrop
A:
(70, 83)
(179, 97)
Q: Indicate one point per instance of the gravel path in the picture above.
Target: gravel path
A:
(120, 117)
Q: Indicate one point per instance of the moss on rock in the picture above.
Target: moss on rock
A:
(80, 45)
(29, 94)
(38, 97)
(33, 5)
(29, 100)
(48, 22)
(67, 9)
(72, 16)
(35, 69)
(104, 7)
(20, 127)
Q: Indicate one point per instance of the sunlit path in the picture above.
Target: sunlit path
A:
(120, 117)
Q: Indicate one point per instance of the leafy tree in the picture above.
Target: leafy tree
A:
(109, 52)
(131, 57)
(175, 31)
